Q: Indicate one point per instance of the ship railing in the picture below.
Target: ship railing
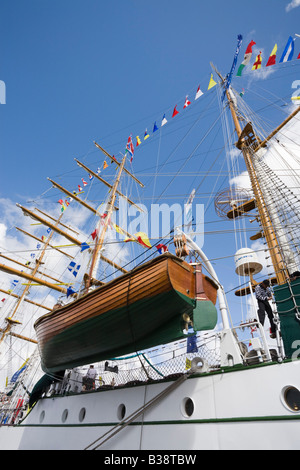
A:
(156, 364)
(259, 349)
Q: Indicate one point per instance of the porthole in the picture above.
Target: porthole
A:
(291, 398)
(82, 414)
(42, 416)
(64, 416)
(188, 407)
(121, 412)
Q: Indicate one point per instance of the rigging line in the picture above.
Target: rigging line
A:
(75, 169)
(190, 156)
(208, 132)
(157, 160)
(164, 110)
(287, 137)
(185, 161)
(211, 259)
(227, 134)
(178, 160)
(270, 102)
(250, 113)
(275, 67)
(180, 142)
(202, 163)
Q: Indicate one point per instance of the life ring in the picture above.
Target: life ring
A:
(199, 365)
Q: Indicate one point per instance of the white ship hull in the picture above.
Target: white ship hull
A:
(241, 409)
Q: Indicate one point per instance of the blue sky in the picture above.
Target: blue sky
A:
(78, 71)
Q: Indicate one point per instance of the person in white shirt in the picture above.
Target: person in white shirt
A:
(263, 295)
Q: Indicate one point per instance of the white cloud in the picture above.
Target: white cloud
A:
(293, 4)
(282, 157)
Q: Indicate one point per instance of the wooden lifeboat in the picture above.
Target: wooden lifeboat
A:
(145, 307)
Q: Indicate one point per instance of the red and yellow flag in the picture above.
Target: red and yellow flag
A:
(272, 58)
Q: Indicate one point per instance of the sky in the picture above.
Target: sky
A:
(80, 71)
(77, 72)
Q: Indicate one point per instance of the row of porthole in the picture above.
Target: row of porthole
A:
(290, 397)
(82, 413)
(187, 409)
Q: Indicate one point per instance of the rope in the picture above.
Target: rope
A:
(125, 422)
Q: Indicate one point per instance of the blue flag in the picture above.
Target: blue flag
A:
(84, 246)
(229, 76)
(70, 291)
(19, 372)
(191, 346)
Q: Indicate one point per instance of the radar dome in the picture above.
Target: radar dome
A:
(246, 262)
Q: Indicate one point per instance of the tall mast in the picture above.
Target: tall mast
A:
(269, 232)
(99, 242)
(9, 320)
(249, 143)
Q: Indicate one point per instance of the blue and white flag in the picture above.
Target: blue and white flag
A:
(288, 51)
(229, 76)
(164, 121)
(74, 268)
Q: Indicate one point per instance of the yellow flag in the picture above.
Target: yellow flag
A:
(138, 141)
(272, 58)
(188, 364)
(105, 165)
(119, 229)
(143, 239)
(212, 83)
(257, 63)
(130, 239)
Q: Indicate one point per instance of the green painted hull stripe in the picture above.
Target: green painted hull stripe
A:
(146, 323)
(172, 422)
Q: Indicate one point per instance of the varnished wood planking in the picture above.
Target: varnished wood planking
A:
(163, 274)
(112, 296)
(110, 299)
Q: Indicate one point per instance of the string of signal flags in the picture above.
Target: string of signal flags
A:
(286, 56)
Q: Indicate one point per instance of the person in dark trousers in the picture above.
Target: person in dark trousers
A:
(263, 295)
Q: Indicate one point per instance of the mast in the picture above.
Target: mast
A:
(113, 159)
(271, 239)
(26, 300)
(9, 320)
(42, 241)
(28, 267)
(72, 195)
(249, 144)
(106, 183)
(99, 242)
(58, 230)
